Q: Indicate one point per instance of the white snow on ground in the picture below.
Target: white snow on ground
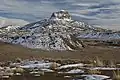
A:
(74, 71)
(104, 68)
(47, 70)
(39, 65)
(71, 65)
(95, 77)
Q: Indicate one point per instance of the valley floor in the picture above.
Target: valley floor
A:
(10, 52)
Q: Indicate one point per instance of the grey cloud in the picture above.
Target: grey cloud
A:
(101, 12)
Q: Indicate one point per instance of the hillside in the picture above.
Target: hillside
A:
(10, 52)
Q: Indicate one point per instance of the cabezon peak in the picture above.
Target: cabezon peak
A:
(56, 33)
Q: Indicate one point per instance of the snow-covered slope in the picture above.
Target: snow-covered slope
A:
(9, 28)
(101, 35)
(59, 32)
(56, 33)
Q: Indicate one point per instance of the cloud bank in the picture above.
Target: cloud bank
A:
(105, 13)
(15, 22)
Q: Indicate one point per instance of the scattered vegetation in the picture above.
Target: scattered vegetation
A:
(94, 71)
(116, 75)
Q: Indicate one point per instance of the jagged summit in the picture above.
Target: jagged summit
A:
(64, 15)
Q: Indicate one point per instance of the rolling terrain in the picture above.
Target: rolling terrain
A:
(11, 52)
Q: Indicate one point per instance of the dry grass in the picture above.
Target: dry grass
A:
(98, 62)
(94, 72)
(11, 52)
(116, 75)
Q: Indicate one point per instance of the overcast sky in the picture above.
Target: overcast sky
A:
(105, 13)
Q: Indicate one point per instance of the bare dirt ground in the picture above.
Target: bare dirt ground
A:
(10, 52)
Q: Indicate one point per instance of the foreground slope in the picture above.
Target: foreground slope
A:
(11, 52)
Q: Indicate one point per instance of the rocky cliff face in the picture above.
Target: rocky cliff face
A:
(61, 15)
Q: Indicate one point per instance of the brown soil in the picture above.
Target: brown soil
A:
(10, 52)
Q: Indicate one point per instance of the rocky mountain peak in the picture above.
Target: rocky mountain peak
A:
(62, 14)
(59, 32)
